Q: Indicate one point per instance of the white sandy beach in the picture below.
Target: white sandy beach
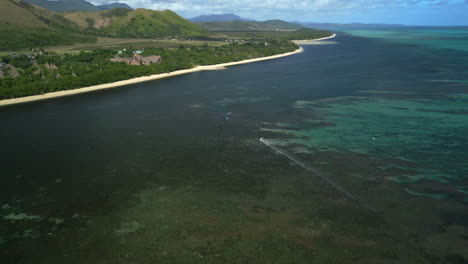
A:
(312, 41)
(138, 80)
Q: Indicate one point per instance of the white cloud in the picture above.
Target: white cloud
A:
(299, 10)
(252, 8)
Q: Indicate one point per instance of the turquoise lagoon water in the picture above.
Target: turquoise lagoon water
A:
(425, 126)
(441, 38)
(429, 133)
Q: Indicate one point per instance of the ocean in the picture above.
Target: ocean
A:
(372, 167)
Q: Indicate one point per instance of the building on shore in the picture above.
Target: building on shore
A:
(50, 66)
(137, 59)
(8, 70)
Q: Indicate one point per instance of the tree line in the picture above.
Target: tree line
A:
(52, 72)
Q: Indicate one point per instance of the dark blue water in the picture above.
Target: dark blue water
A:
(154, 173)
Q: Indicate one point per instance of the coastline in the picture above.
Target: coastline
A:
(312, 41)
(136, 80)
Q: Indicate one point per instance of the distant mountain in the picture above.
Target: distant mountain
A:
(114, 5)
(23, 25)
(220, 17)
(74, 5)
(338, 26)
(64, 5)
(238, 25)
(144, 23)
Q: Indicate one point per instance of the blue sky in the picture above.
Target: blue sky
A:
(410, 12)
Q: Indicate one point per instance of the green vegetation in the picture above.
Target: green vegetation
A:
(143, 23)
(140, 23)
(280, 24)
(51, 72)
(115, 12)
(24, 26)
(239, 25)
(21, 13)
(121, 43)
(304, 33)
(95, 20)
(27, 37)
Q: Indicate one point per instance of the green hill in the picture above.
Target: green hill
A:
(20, 13)
(239, 25)
(96, 20)
(144, 23)
(23, 26)
(218, 17)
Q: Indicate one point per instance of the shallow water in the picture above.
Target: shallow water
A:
(438, 38)
(154, 173)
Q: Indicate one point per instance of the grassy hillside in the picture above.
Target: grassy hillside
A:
(30, 37)
(96, 20)
(23, 14)
(280, 24)
(23, 25)
(143, 23)
(238, 25)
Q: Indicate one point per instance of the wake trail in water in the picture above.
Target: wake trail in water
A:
(307, 167)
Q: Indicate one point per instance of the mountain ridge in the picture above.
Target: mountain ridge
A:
(239, 25)
(95, 20)
(145, 23)
(74, 5)
(218, 18)
(114, 5)
(24, 25)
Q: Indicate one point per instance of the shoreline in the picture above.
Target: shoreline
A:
(312, 41)
(136, 80)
